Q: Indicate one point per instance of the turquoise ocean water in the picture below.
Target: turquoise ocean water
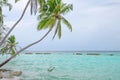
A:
(67, 66)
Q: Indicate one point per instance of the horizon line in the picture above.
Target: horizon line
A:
(74, 51)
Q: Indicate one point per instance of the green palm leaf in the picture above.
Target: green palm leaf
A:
(42, 24)
(59, 29)
(16, 1)
(13, 51)
(46, 23)
(66, 8)
(67, 23)
(11, 39)
(1, 17)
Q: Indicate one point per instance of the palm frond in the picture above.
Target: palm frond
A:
(43, 6)
(16, 1)
(59, 29)
(56, 30)
(66, 8)
(11, 39)
(53, 22)
(67, 23)
(1, 17)
(45, 23)
(41, 3)
(42, 24)
(13, 51)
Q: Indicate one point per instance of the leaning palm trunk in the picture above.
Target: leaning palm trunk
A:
(15, 24)
(6, 61)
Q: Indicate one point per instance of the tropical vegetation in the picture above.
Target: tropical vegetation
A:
(50, 16)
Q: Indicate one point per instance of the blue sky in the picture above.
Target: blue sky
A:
(95, 24)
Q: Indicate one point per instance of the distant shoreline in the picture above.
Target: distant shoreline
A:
(67, 51)
(96, 53)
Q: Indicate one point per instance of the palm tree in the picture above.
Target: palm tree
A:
(10, 46)
(53, 16)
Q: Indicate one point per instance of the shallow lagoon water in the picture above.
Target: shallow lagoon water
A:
(66, 67)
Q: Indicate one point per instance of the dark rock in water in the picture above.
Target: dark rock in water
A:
(93, 54)
(38, 53)
(4, 70)
(111, 54)
(14, 78)
(15, 73)
(47, 53)
(28, 53)
(9, 74)
(78, 53)
(42, 53)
